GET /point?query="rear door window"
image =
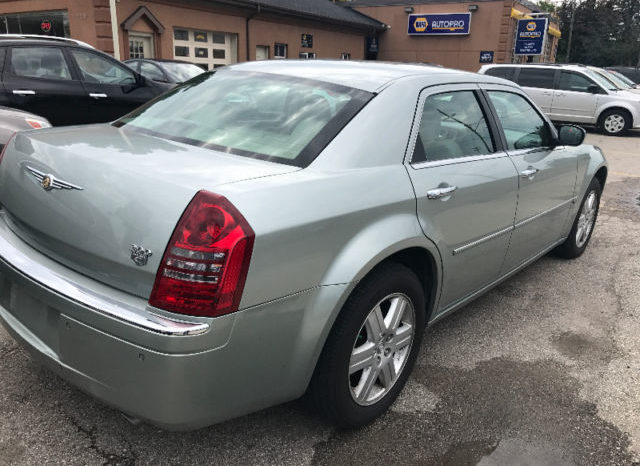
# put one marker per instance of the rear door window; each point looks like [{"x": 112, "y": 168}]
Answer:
[
  {"x": 505, "y": 72},
  {"x": 39, "y": 62},
  {"x": 536, "y": 77},
  {"x": 570, "y": 81},
  {"x": 453, "y": 125}
]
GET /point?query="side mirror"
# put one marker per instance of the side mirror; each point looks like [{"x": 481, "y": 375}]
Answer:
[
  {"x": 571, "y": 135},
  {"x": 594, "y": 89}
]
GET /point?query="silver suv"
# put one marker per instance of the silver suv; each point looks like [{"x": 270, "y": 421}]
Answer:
[{"x": 574, "y": 93}]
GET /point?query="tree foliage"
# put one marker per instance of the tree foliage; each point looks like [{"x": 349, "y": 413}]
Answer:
[{"x": 605, "y": 32}]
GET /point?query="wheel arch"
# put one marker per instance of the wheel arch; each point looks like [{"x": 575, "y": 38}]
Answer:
[
  {"x": 619, "y": 107},
  {"x": 601, "y": 175},
  {"x": 420, "y": 255}
]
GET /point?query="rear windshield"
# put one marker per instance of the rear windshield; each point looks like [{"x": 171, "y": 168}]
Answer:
[{"x": 260, "y": 115}]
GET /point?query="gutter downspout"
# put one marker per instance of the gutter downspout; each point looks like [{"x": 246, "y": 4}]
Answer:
[
  {"x": 249, "y": 18},
  {"x": 114, "y": 29}
]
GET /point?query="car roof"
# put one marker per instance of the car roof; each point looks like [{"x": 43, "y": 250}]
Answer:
[
  {"x": 365, "y": 75},
  {"x": 37, "y": 39},
  {"x": 570, "y": 66}
]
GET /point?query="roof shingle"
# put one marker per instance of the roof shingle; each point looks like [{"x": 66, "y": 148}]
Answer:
[{"x": 320, "y": 9}]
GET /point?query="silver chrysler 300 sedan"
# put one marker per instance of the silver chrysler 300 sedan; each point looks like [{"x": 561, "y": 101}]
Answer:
[{"x": 280, "y": 228}]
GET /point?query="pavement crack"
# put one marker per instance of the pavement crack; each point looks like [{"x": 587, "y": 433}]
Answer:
[{"x": 110, "y": 459}]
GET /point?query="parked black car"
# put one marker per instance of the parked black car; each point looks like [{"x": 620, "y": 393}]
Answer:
[
  {"x": 632, "y": 73},
  {"x": 68, "y": 82},
  {"x": 165, "y": 71}
]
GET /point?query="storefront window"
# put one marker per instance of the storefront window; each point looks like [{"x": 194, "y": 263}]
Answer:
[{"x": 46, "y": 23}]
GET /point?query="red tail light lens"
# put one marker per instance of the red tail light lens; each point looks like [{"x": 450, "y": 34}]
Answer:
[
  {"x": 204, "y": 268},
  {"x": 4, "y": 148}
]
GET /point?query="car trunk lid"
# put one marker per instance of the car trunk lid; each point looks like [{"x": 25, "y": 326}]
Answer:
[{"x": 86, "y": 196}]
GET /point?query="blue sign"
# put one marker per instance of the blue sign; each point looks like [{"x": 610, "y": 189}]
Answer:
[
  {"x": 530, "y": 36},
  {"x": 449, "y": 24},
  {"x": 486, "y": 56}
]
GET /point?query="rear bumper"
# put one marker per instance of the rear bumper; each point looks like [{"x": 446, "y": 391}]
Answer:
[{"x": 241, "y": 363}]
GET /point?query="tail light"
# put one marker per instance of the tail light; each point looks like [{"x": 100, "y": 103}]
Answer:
[
  {"x": 204, "y": 268},
  {"x": 4, "y": 148},
  {"x": 37, "y": 124}
]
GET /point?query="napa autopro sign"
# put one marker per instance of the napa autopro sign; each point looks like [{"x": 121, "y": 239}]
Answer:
[
  {"x": 446, "y": 24},
  {"x": 530, "y": 36}
]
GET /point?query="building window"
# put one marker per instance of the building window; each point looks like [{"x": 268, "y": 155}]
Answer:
[
  {"x": 262, "y": 52},
  {"x": 280, "y": 51},
  {"x": 190, "y": 43},
  {"x": 200, "y": 36},
  {"x": 219, "y": 37},
  {"x": 181, "y": 51},
  {"x": 46, "y": 23},
  {"x": 140, "y": 46},
  {"x": 307, "y": 55},
  {"x": 180, "y": 34},
  {"x": 345, "y": 56}
]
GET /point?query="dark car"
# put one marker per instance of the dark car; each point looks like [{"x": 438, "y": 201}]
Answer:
[
  {"x": 171, "y": 72},
  {"x": 68, "y": 82},
  {"x": 630, "y": 72}
]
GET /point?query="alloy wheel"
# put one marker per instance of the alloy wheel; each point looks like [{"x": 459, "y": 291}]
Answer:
[
  {"x": 381, "y": 349},
  {"x": 586, "y": 219}
]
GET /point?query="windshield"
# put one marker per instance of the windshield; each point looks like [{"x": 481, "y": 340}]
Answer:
[
  {"x": 604, "y": 82},
  {"x": 610, "y": 77},
  {"x": 181, "y": 72},
  {"x": 260, "y": 115}
]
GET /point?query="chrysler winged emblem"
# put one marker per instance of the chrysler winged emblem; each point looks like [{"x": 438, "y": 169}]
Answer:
[
  {"x": 139, "y": 255},
  {"x": 49, "y": 182}
]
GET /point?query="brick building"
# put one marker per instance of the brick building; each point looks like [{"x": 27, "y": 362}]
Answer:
[
  {"x": 210, "y": 33},
  {"x": 219, "y": 32}
]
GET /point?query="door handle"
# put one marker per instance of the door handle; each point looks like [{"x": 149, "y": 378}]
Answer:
[
  {"x": 98, "y": 96},
  {"x": 546, "y": 93},
  {"x": 439, "y": 193},
  {"x": 529, "y": 173},
  {"x": 24, "y": 92}
]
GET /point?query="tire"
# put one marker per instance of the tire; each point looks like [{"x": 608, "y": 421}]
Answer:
[
  {"x": 615, "y": 122},
  {"x": 583, "y": 224},
  {"x": 350, "y": 397}
]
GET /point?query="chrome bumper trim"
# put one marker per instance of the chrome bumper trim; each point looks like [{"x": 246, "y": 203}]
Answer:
[{"x": 143, "y": 318}]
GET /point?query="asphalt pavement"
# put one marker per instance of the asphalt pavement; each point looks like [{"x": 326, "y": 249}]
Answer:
[{"x": 542, "y": 370}]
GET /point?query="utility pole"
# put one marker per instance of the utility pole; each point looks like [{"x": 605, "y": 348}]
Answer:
[{"x": 573, "y": 15}]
